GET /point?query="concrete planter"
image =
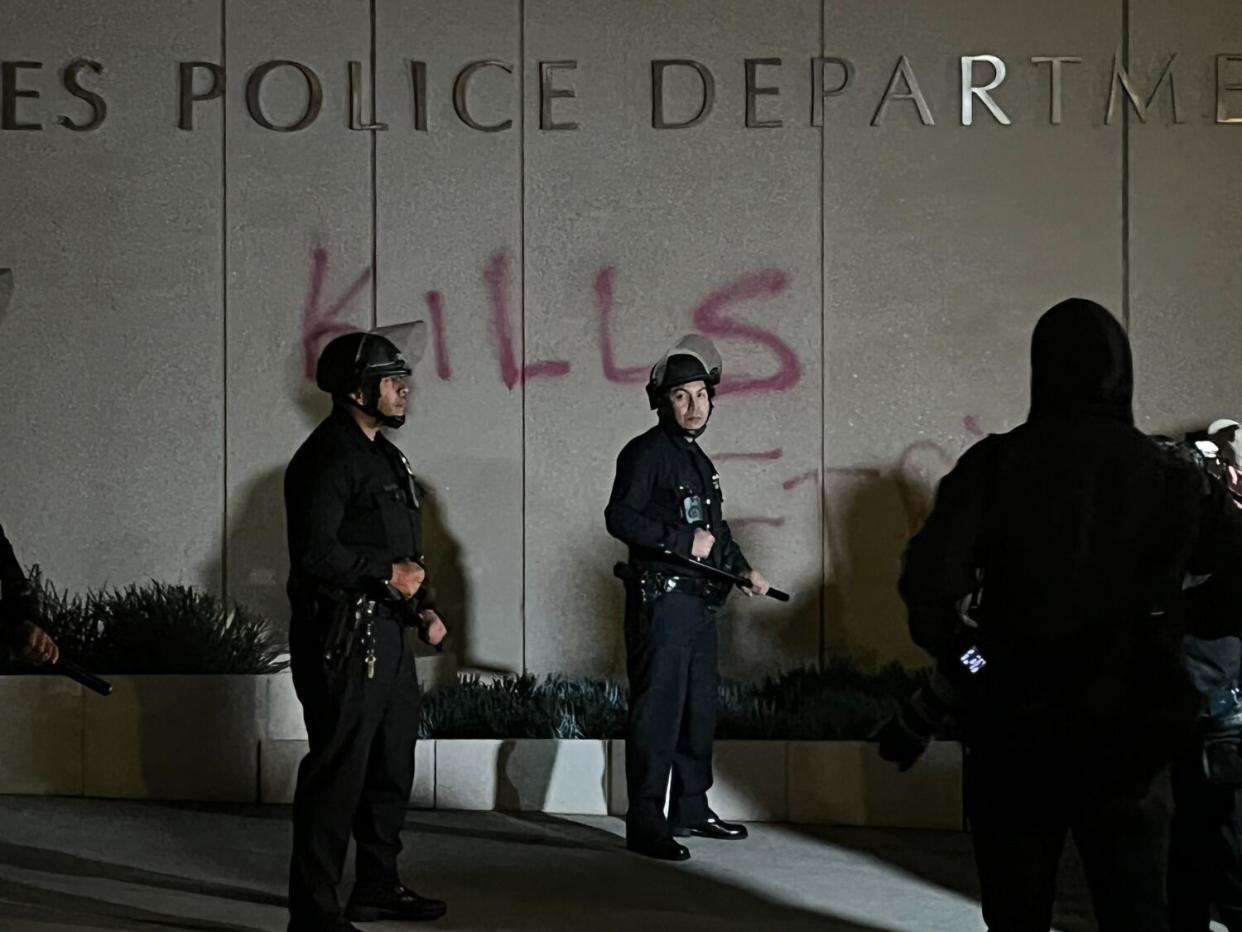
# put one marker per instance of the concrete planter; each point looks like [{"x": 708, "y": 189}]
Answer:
[
  {"x": 175, "y": 737},
  {"x": 846, "y": 783},
  {"x": 750, "y": 781},
  {"x": 526, "y": 775},
  {"x": 241, "y": 738},
  {"x": 41, "y": 735}
]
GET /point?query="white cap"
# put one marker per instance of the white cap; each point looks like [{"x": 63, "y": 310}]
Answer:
[{"x": 1220, "y": 424}]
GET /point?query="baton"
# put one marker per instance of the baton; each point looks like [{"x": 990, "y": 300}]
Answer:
[
  {"x": 722, "y": 574},
  {"x": 89, "y": 680}
]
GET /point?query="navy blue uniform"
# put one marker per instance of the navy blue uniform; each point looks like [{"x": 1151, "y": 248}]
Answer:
[{"x": 665, "y": 489}]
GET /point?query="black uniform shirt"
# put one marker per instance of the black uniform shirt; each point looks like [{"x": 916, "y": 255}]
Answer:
[
  {"x": 352, "y": 507},
  {"x": 666, "y": 488}
]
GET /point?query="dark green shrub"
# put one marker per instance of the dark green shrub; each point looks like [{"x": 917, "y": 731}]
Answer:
[
  {"x": 155, "y": 628},
  {"x": 838, "y": 701}
]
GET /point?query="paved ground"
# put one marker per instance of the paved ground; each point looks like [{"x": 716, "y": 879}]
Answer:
[{"x": 79, "y": 865}]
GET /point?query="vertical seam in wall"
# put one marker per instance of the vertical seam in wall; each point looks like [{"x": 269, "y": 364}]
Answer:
[
  {"x": 81, "y": 740},
  {"x": 224, "y": 306},
  {"x": 822, "y": 485},
  {"x": 522, "y": 272},
  {"x": 1125, "y": 174},
  {"x": 787, "y": 809},
  {"x": 374, "y": 134}
]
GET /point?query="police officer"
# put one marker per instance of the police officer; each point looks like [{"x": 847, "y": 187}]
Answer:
[
  {"x": 355, "y": 578},
  {"x": 1072, "y": 535},
  {"x": 666, "y": 499},
  {"x": 18, "y": 608}
]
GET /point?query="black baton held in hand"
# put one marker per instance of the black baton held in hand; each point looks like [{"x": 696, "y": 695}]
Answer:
[
  {"x": 722, "y": 574},
  {"x": 74, "y": 672}
]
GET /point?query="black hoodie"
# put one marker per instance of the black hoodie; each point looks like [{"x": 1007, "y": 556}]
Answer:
[
  {"x": 16, "y": 599},
  {"x": 1081, "y": 530}
]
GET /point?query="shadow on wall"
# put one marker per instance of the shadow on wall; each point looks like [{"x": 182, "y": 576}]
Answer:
[
  {"x": 446, "y": 572},
  {"x": 314, "y": 404},
  {"x": 256, "y": 548},
  {"x": 258, "y": 556},
  {"x": 870, "y": 517},
  {"x": 527, "y": 778},
  {"x": 760, "y": 637},
  {"x": 604, "y": 600}
]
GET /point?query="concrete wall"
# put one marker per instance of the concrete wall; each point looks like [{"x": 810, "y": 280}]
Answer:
[{"x": 871, "y": 287}]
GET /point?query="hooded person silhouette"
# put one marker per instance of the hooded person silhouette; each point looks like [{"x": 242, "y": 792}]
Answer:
[{"x": 1071, "y": 535}]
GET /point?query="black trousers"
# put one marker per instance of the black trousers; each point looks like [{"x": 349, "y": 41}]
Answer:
[
  {"x": 1205, "y": 862},
  {"x": 671, "y": 663},
  {"x": 1021, "y": 812},
  {"x": 357, "y": 776}
]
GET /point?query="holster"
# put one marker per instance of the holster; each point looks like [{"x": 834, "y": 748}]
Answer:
[
  {"x": 1222, "y": 751},
  {"x": 346, "y": 623}
]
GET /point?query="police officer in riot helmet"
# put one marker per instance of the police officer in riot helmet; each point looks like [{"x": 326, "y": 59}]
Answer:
[
  {"x": 1047, "y": 584},
  {"x": 667, "y": 506},
  {"x": 20, "y": 634},
  {"x": 356, "y": 579}
]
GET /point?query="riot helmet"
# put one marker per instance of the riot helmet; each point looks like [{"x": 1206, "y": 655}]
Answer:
[
  {"x": 693, "y": 358},
  {"x": 357, "y": 362}
]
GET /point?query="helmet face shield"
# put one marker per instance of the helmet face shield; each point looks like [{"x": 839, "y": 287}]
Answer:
[
  {"x": 693, "y": 358},
  {"x": 379, "y": 355},
  {"x": 409, "y": 339},
  {"x": 694, "y": 345}
]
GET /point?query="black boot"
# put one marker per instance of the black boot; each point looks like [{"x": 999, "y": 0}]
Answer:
[
  {"x": 395, "y": 901},
  {"x": 657, "y": 846},
  {"x": 712, "y": 827}
]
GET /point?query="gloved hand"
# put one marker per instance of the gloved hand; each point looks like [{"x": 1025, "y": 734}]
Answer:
[
  {"x": 900, "y": 743},
  {"x": 930, "y": 711}
]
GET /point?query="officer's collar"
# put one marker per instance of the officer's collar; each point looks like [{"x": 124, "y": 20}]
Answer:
[
  {"x": 671, "y": 429},
  {"x": 345, "y": 422}
]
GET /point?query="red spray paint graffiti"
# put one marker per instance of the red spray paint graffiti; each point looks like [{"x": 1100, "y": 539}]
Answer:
[
  {"x": 620, "y": 375},
  {"x": 915, "y": 473},
  {"x": 712, "y": 319},
  {"x": 496, "y": 278},
  {"x": 439, "y": 345},
  {"x": 712, "y": 316},
  {"x": 759, "y": 455},
  {"x": 320, "y": 325}
]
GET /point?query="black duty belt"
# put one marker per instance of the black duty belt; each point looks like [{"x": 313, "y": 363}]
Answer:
[
  {"x": 651, "y": 584},
  {"x": 708, "y": 589}
]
